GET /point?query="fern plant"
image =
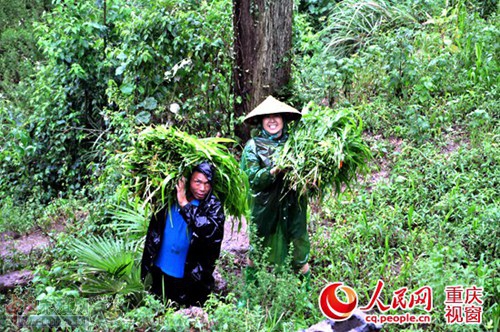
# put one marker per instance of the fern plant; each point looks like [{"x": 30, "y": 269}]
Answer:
[
  {"x": 108, "y": 265},
  {"x": 131, "y": 220},
  {"x": 127, "y": 284}
]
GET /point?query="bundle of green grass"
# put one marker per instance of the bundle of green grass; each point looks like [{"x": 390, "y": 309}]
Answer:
[
  {"x": 324, "y": 151},
  {"x": 162, "y": 155}
]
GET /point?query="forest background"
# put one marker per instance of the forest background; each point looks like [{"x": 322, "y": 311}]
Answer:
[{"x": 80, "y": 79}]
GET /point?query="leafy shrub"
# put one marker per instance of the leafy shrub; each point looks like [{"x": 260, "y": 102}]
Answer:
[
  {"x": 432, "y": 201},
  {"x": 226, "y": 316},
  {"x": 110, "y": 266},
  {"x": 264, "y": 302},
  {"x": 353, "y": 24},
  {"x": 316, "y": 10},
  {"x": 17, "y": 154},
  {"x": 11, "y": 218},
  {"x": 178, "y": 59},
  {"x": 18, "y": 52},
  {"x": 450, "y": 265},
  {"x": 420, "y": 78},
  {"x": 105, "y": 76}
]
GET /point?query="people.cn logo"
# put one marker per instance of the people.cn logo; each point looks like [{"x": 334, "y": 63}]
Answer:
[{"x": 332, "y": 307}]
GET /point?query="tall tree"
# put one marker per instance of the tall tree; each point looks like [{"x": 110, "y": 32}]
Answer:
[{"x": 263, "y": 39}]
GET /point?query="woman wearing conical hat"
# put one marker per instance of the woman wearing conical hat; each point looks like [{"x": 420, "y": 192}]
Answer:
[{"x": 279, "y": 215}]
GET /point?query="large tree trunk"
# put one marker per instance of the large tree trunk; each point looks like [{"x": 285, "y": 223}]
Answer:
[{"x": 263, "y": 39}]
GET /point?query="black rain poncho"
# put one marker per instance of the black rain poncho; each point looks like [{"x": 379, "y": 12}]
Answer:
[
  {"x": 279, "y": 215},
  {"x": 207, "y": 223}
]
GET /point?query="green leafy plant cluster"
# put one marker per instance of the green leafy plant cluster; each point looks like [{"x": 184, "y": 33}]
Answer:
[
  {"x": 425, "y": 91},
  {"x": 353, "y": 24},
  {"x": 416, "y": 75},
  {"x": 162, "y": 155},
  {"x": 18, "y": 53},
  {"x": 433, "y": 221},
  {"x": 19, "y": 59},
  {"x": 65, "y": 309},
  {"x": 110, "y": 67},
  {"x": 269, "y": 298},
  {"x": 422, "y": 75},
  {"x": 316, "y": 10},
  {"x": 11, "y": 217},
  {"x": 107, "y": 265},
  {"x": 324, "y": 151}
]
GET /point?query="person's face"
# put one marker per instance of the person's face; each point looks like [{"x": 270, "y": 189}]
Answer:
[
  {"x": 199, "y": 186},
  {"x": 272, "y": 123}
]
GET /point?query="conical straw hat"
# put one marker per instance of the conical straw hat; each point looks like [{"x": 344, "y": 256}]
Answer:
[{"x": 272, "y": 106}]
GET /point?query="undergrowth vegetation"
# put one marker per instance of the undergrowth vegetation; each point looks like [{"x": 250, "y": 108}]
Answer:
[{"x": 422, "y": 75}]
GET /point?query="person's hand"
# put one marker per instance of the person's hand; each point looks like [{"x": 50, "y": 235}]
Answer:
[{"x": 181, "y": 192}]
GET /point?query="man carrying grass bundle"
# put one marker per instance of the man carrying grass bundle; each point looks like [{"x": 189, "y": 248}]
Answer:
[
  {"x": 183, "y": 242},
  {"x": 279, "y": 215}
]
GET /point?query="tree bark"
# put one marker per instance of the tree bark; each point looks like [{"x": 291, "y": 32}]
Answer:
[{"x": 262, "y": 43}]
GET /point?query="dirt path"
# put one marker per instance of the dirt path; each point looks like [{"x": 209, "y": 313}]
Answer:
[
  {"x": 23, "y": 245},
  {"x": 15, "y": 253},
  {"x": 235, "y": 242}
]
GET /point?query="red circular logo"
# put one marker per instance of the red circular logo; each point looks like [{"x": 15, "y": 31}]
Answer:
[{"x": 332, "y": 307}]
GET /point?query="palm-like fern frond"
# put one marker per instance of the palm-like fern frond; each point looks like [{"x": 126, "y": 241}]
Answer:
[
  {"x": 99, "y": 254},
  {"x": 132, "y": 219},
  {"x": 110, "y": 265},
  {"x": 130, "y": 284}
]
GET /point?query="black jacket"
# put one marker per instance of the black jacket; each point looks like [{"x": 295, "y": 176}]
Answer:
[{"x": 207, "y": 223}]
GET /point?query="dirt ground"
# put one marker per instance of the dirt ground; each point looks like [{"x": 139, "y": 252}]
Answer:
[{"x": 235, "y": 242}]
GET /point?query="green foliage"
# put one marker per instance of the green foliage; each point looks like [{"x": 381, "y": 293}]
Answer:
[
  {"x": 68, "y": 92},
  {"x": 410, "y": 80},
  {"x": 316, "y": 10},
  {"x": 485, "y": 8},
  {"x": 228, "y": 317},
  {"x": 108, "y": 266},
  {"x": 273, "y": 298},
  {"x": 59, "y": 308},
  {"x": 17, "y": 153},
  {"x": 14, "y": 13},
  {"x": 161, "y": 156},
  {"x": 353, "y": 24},
  {"x": 18, "y": 53},
  {"x": 28, "y": 215},
  {"x": 422, "y": 75},
  {"x": 324, "y": 151},
  {"x": 131, "y": 221},
  {"x": 64, "y": 308},
  {"x": 18, "y": 56},
  {"x": 18, "y": 62},
  {"x": 450, "y": 262},
  {"x": 113, "y": 256},
  {"x": 12, "y": 217},
  {"x": 434, "y": 221},
  {"x": 106, "y": 74},
  {"x": 183, "y": 57}
]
